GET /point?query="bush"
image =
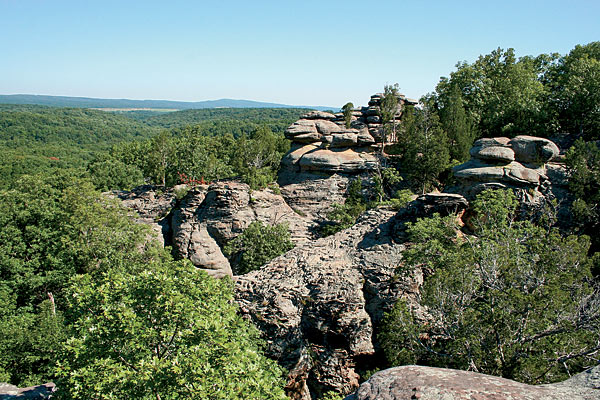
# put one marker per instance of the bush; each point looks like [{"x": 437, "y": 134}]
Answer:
[{"x": 257, "y": 245}]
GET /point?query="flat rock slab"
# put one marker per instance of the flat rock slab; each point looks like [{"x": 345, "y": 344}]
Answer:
[
  {"x": 427, "y": 383},
  {"x": 8, "y": 391}
]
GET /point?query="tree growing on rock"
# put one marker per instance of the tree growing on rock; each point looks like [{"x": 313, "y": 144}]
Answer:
[
  {"x": 257, "y": 245},
  {"x": 347, "y": 111},
  {"x": 515, "y": 300},
  {"x": 388, "y": 111}
]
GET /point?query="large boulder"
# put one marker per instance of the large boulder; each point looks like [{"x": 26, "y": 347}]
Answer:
[
  {"x": 427, "y": 383},
  {"x": 318, "y": 305},
  {"x": 535, "y": 150}
]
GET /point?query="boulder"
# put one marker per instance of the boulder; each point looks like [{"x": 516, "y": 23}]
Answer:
[
  {"x": 342, "y": 160},
  {"x": 533, "y": 150},
  {"x": 493, "y": 153},
  {"x": 428, "y": 383},
  {"x": 327, "y": 127}
]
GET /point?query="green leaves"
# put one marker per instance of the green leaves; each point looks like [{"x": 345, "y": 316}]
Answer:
[
  {"x": 164, "y": 330},
  {"x": 257, "y": 245},
  {"x": 514, "y": 299}
]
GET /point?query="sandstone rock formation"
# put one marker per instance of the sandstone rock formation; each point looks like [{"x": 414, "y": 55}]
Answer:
[
  {"x": 152, "y": 205},
  {"x": 199, "y": 225},
  {"x": 8, "y": 391},
  {"x": 321, "y": 141},
  {"x": 527, "y": 164},
  {"x": 318, "y": 304},
  {"x": 427, "y": 383}
]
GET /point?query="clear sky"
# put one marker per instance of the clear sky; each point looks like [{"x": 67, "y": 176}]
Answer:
[{"x": 294, "y": 52}]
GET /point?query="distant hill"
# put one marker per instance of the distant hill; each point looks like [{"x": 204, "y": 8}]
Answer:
[{"x": 86, "y": 102}]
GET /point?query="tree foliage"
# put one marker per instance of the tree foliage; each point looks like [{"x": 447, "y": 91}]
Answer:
[
  {"x": 257, "y": 245},
  {"x": 162, "y": 330},
  {"x": 516, "y": 300}
]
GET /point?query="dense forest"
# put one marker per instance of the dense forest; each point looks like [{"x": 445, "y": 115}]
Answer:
[{"x": 87, "y": 301}]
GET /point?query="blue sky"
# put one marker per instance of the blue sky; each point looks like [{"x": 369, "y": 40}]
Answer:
[{"x": 293, "y": 52}]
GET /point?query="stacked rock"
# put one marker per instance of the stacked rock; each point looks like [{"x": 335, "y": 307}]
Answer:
[
  {"x": 322, "y": 142},
  {"x": 521, "y": 162}
]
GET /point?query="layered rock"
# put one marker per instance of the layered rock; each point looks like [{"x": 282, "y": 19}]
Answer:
[
  {"x": 322, "y": 142},
  {"x": 526, "y": 164},
  {"x": 427, "y": 383},
  {"x": 318, "y": 305}
]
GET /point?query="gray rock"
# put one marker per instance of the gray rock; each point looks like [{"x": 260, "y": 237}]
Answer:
[
  {"x": 535, "y": 150},
  {"x": 427, "y": 383},
  {"x": 493, "y": 153},
  {"x": 319, "y": 115},
  {"x": 312, "y": 194},
  {"x": 348, "y": 138},
  {"x": 328, "y": 127},
  {"x": 39, "y": 392},
  {"x": 342, "y": 160},
  {"x": 152, "y": 205}
]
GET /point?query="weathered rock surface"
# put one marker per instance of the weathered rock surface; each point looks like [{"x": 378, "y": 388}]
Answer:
[
  {"x": 208, "y": 218},
  {"x": 152, "y": 205},
  {"x": 318, "y": 304},
  {"x": 528, "y": 165},
  {"x": 312, "y": 194},
  {"x": 427, "y": 383},
  {"x": 322, "y": 142},
  {"x": 8, "y": 391}
]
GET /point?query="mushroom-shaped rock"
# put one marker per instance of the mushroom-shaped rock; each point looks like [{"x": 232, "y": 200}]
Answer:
[{"x": 534, "y": 150}]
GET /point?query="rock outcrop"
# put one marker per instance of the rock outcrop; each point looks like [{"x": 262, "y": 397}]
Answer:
[
  {"x": 8, "y": 392},
  {"x": 318, "y": 305},
  {"x": 152, "y": 204},
  {"x": 200, "y": 224},
  {"x": 323, "y": 143},
  {"x": 427, "y": 383},
  {"x": 529, "y": 165}
]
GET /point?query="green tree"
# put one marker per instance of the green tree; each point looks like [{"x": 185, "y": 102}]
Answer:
[
  {"x": 108, "y": 173},
  {"x": 162, "y": 330},
  {"x": 583, "y": 166},
  {"x": 516, "y": 300},
  {"x": 575, "y": 85},
  {"x": 53, "y": 227},
  {"x": 426, "y": 150},
  {"x": 502, "y": 95},
  {"x": 257, "y": 245},
  {"x": 258, "y": 156},
  {"x": 347, "y": 111},
  {"x": 388, "y": 112},
  {"x": 457, "y": 126}
]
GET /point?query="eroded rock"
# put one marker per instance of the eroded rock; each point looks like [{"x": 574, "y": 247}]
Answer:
[
  {"x": 318, "y": 304},
  {"x": 428, "y": 383}
]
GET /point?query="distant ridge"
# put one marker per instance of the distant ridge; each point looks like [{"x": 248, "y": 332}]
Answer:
[{"x": 87, "y": 102}]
